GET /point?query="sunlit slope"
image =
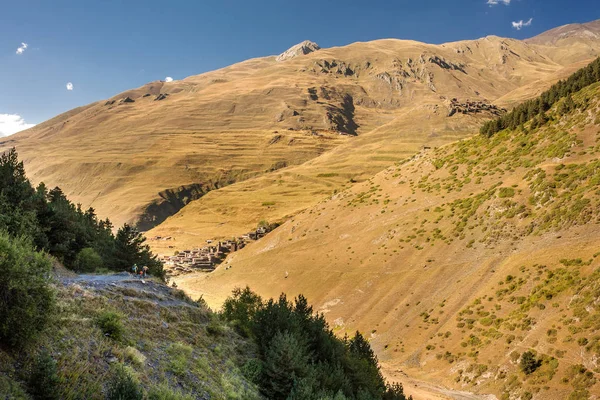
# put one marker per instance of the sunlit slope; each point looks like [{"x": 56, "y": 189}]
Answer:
[
  {"x": 404, "y": 130},
  {"x": 458, "y": 260},
  {"x": 146, "y": 159},
  {"x": 278, "y": 195}
]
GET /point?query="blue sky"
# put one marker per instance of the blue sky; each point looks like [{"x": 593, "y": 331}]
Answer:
[{"x": 105, "y": 47}]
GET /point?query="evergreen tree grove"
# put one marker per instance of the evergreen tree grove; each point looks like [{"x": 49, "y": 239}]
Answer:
[
  {"x": 300, "y": 355},
  {"x": 77, "y": 238},
  {"x": 531, "y": 109}
]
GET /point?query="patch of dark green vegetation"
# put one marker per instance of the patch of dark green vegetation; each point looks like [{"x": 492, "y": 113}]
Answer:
[
  {"x": 77, "y": 238},
  {"x": 535, "y": 109},
  {"x": 300, "y": 357}
]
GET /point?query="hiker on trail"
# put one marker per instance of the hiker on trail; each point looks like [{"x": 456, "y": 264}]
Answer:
[
  {"x": 134, "y": 269},
  {"x": 145, "y": 269}
]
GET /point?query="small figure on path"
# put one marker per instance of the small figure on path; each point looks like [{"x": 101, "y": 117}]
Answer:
[{"x": 134, "y": 269}]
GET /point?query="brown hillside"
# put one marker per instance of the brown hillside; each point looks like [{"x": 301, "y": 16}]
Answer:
[
  {"x": 457, "y": 261},
  {"x": 144, "y": 154},
  {"x": 277, "y": 196}
]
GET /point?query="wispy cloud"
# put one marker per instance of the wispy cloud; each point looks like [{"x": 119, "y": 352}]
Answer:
[
  {"x": 168, "y": 79},
  {"x": 12, "y": 123},
  {"x": 69, "y": 86},
  {"x": 21, "y": 49},
  {"x": 520, "y": 24},
  {"x": 496, "y": 2}
]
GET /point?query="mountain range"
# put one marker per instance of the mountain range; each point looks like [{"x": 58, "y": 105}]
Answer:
[{"x": 457, "y": 252}]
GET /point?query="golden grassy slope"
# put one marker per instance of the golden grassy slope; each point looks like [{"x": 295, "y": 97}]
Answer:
[
  {"x": 456, "y": 259},
  {"x": 402, "y": 131},
  {"x": 216, "y": 128}
]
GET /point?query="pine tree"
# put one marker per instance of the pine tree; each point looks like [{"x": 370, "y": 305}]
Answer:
[
  {"x": 529, "y": 363},
  {"x": 130, "y": 248},
  {"x": 286, "y": 362}
]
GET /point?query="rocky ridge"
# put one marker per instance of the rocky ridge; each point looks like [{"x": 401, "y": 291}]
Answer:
[{"x": 300, "y": 49}]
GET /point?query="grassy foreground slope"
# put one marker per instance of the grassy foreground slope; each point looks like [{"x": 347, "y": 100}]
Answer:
[
  {"x": 169, "y": 345},
  {"x": 136, "y": 158},
  {"x": 473, "y": 264}
]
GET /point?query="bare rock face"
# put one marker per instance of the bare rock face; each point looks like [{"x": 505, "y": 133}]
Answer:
[{"x": 300, "y": 49}]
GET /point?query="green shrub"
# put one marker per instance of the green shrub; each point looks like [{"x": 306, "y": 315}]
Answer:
[
  {"x": 527, "y": 396},
  {"x": 240, "y": 309},
  {"x": 506, "y": 192},
  {"x": 123, "y": 386},
  {"x": 111, "y": 325},
  {"x": 179, "y": 355},
  {"x": 43, "y": 382},
  {"x": 579, "y": 394},
  {"x": 580, "y": 377},
  {"x": 253, "y": 369},
  {"x": 215, "y": 326},
  {"x": 26, "y": 298},
  {"x": 88, "y": 260},
  {"x": 10, "y": 389},
  {"x": 163, "y": 392},
  {"x": 529, "y": 363}
]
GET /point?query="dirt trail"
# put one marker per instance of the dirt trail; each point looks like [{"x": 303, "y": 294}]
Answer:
[
  {"x": 421, "y": 390},
  {"x": 130, "y": 287}
]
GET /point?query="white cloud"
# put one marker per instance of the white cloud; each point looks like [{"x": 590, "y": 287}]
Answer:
[
  {"x": 521, "y": 24},
  {"x": 12, "y": 123},
  {"x": 22, "y": 48},
  {"x": 496, "y": 2},
  {"x": 168, "y": 79},
  {"x": 69, "y": 86}
]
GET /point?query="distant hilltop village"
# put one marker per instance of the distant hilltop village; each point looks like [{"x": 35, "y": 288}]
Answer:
[
  {"x": 208, "y": 257},
  {"x": 473, "y": 107}
]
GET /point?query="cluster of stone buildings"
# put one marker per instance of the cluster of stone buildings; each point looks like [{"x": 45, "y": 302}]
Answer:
[
  {"x": 206, "y": 258},
  {"x": 472, "y": 107}
]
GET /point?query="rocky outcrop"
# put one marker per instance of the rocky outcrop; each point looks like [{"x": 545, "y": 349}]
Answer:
[
  {"x": 420, "y": 70},
  {"x": 300, "y": 49},
  {"x": 393, "y": 81},
  {"x": 334, "y": 67}
]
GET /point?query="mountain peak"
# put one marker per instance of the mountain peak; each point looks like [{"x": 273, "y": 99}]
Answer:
[
  {"x": 589, "y": 30},
  {"x": 300, "y": 49}
]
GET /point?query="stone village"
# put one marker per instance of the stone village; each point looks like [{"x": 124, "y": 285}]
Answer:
[{"x": 207, "y": 258}]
